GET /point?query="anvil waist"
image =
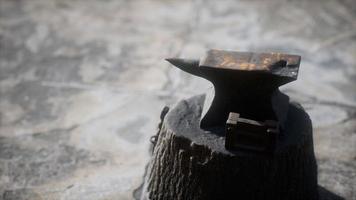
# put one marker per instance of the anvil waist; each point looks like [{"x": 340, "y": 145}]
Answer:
[{"x": 259, "y": 104}]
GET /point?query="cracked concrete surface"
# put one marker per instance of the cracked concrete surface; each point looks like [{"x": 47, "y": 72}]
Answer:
[{"x": 82, "y": 84}]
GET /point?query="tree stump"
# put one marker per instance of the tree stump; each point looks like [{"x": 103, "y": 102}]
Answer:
[{"x": 190, "y": 163}]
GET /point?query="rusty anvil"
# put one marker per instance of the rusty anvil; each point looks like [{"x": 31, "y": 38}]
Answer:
[{"x": 245, "y": 83}]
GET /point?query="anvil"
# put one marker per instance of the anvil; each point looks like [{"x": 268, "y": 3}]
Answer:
[{"x": 245, "y": 83}]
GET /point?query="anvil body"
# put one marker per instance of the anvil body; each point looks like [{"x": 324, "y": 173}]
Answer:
[{"x": 245, "y": 83}]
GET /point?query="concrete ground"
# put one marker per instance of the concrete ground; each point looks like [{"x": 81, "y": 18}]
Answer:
[{"x": 82, "y": 84}]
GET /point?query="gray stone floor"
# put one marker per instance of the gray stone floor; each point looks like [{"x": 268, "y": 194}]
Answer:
[{"x": 82, "y": 84}]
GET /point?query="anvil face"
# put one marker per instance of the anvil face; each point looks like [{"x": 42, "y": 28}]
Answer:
[
  {"x": 276, "y": 68},
  {"x": 244, "y": 82},
  {"x": 274, "y": 63}
]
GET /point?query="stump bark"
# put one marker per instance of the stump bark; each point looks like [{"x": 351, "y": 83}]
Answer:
[{"x": 190, "y": 163}]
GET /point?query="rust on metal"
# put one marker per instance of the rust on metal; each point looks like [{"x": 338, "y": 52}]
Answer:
[{"x": 249, "y": 61}]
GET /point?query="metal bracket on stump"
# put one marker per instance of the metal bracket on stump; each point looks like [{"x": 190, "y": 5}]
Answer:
[{"x": 250, "y": 135}]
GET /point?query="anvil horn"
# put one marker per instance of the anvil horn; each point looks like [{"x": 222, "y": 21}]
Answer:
[{"x": 188, "y": 65}]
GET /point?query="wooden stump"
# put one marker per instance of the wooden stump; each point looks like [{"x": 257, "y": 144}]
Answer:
[{"x": 189, "y": 163}]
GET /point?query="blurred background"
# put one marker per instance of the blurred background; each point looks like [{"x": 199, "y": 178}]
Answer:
[{"x": 82, "y": 84}]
